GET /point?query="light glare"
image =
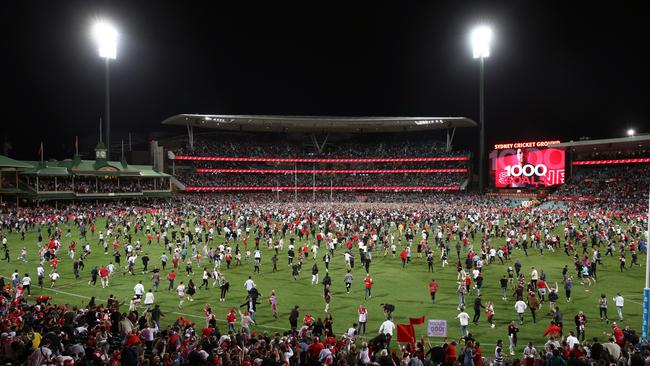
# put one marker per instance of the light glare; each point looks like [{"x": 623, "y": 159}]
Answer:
[
  {"x": 631, "y": 132},
  {"x": 106, "y": 37},
  {"x": 481, "y": 38}
]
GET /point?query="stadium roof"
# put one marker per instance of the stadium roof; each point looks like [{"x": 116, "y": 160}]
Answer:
[
  {"x": 77, "y": 166},
  {"x": 7, "y": 162},
  {"x": 317, "y": 124},
  {"x": 623, "y": 143}
]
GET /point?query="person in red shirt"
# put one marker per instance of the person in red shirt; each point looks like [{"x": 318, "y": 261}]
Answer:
[
  {"x": 315, "y": 348},
  {"x": 207, "y": 331},
  {"x": 404, "y": 256},
  {"x": 55, "y": 262},
  {"x": 433, "y": 288},
  {"x": 231, "y": 318},
  {"x": 541, "y": 289},
  {"x": 619, "y": 337},
  {"x": 553, "y": 330},
  {"x": 171, "y": 277},
  {"x": 308, "y": 320},
  {"x": 368, "y": 281},
  {"x": 103, "y": 276},
  {"x": 450, "y": 353}
]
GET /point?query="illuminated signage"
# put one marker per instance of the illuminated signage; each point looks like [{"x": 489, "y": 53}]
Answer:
[{"x": 525, "y": 145}]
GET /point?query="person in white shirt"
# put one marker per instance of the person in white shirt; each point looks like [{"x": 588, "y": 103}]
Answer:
[
  {"x": 520, "y": 307},
  {"x": 130, "y": 264},
  {"x": 27, "y": 284},
  {"x": 139, "y": 289},
  {"x": 387, "y": 328},
  {"x": 571, "y": 340},
  {"x": 180, "y": 290},
  {"x": 463, "y": 317},
  {"x": 149, "y": 300},
  {"x": 363, "y": 319},
  {"x": 364, "y": 357},
  {"x": 40, "y": 272},
  {"x": 249, "y": 284},
  {"x": 530, "y": 353},
  {"x": 133, "y": 304},
  {"x": 54, "y": 276},
  {"x": 619, "y": 301},
  {"x": 534, "y": 276},
  {"x": 352, "y": 333}
]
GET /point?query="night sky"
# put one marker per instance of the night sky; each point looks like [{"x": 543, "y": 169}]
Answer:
[{"x": 555, "y": 72}]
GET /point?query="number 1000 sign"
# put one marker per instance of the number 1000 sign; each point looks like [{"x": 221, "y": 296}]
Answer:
[{"x": 527, "y": 170}]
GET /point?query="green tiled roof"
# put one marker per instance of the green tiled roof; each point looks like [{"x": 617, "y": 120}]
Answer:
[
  {"x": 7, "y": 162},
  {"x": 78, "y": 166}
]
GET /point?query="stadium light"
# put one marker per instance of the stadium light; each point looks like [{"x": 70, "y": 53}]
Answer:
[
  {"x": 106, "y": 36},
  {"x": 631, "y": 132},
  {"x": 481, "y": 37}
]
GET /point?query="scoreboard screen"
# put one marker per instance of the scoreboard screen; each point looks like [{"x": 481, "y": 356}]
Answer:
[{"x": 527, "y": 165}]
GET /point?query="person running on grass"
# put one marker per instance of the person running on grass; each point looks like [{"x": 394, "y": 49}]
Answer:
[
  {"x": 191, "y": 290},
  {"x": 224, "y": 286},
  {"x": 273, "y": 300},
  {"x": 489, "y": 313},
  {"x": 348, "y": 281},
  {"x": 327, "y": 295},
  {"x": 53, "y": 277},
  {"x": 180, "y": 291}
]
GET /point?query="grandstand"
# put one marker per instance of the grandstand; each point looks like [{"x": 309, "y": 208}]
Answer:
[
  {"x": 78, "y": 179},
  {"x": 608, "y": 172},
  {"x": 316, "y": 154}
]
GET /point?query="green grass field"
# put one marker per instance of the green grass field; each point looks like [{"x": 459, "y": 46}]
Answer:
[{"x": 406, "y": 288}]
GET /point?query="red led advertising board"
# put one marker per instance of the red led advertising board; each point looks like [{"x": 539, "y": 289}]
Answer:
[{"x": 527, "y": 165}]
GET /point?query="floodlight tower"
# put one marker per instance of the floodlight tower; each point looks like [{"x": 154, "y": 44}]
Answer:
[
  {"x": 106, "y": 36},
  {"x": 481, "y": 38}
]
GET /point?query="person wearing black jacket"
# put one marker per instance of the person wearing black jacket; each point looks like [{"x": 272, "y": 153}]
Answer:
[
  {"x": 436, "y": 354},
  {"x": 251, "y": 305},
  {"x": 129, "y": 356},
  {"x": 156, "y": 313},
  {"x": 477, "y": 309},
  {"x": 145, "y": 263},
  {"x": 94, "y": 273},
  {"x": 504, "y": 286},
  {"x": 327, "y": 280},
  {"x": 293, "y": 318}
]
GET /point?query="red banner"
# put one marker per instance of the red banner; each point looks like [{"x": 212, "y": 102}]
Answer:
[
  {"x": 612, "y": 161},
  {"x": 405, "y": 333},
  {"x": 329, "y": 171},
  {"x": 325, "y": 188},
  {"x": 318, "y": 160}
]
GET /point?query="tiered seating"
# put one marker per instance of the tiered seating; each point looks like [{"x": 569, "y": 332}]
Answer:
[{"x": 235, "y": 164}]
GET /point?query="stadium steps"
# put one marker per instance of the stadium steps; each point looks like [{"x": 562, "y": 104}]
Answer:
[
  {"x": 178, "y": 184},
  {"x": 463, "y": 185}
]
